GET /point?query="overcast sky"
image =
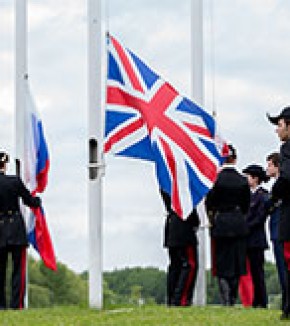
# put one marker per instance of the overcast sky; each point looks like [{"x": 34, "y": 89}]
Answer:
[{"x": 251, "y": 76}]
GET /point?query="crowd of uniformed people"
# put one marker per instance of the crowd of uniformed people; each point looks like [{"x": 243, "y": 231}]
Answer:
[{"x": 238, "y": 207}]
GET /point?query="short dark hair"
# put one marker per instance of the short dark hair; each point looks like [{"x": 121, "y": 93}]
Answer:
[
  {"x": 275, "y": 158},
  {"x": 4, "y": 158},
  {"x": 232, "y": 154}
]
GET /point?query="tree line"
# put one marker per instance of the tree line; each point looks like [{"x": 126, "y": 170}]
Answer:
[{"x": 127, "y": 286}]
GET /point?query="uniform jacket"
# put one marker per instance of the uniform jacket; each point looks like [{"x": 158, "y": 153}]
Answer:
[
  {"x": 12, "y": 226},
  {"x": 178, "y": 232},
  {"x": 274, "y": 222},
  {"x": 231, "y": 193},
  {"x": 256, "y": 219},
  {"x": 281, "y": 190}
]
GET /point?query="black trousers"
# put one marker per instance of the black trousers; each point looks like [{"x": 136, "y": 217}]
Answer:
[
  {"x": 281, "y": 267},
  {"x": 181, "y": 277},
  {"x": 228, "y": 288},
  {"x": 286, "y": 252},
  {"x": 18, "y": 276},
  {"x": 256, "y": 259}
]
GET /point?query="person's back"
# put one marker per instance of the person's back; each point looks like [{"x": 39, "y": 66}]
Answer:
[
  {"x": 231, "y": 190},
  {"x": 180, "y": 239},
  {"x": 226, "y": 204},
  {"x": 13, "y": 237},
  {"x": 179, "y": 232}
]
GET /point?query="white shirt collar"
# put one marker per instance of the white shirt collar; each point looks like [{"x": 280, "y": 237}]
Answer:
[
  {"x": 253, "y": 190},
  {"x": 229, "y": 166}
]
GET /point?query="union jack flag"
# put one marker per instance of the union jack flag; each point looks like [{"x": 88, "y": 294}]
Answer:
[{"x": 146, "y": 118}]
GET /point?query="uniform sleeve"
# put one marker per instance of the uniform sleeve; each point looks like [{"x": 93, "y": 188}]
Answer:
[
  {"x": 246, "y": 199},
  {"x": 166, "y": 200},
  {"x": 194, "y": 218},
  {"x": 210, "y": 205},
  {"x": 27, "y": 198},
  {"x": 280, "y": 188},
  {"x": 285, "y": 161},
  {"x": 260, "y": 213},
  {"x": 210, "y": 200}
]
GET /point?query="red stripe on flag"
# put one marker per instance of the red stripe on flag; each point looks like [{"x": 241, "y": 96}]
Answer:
[
  {"x": 174, "y": 191},
  {"x": 42, "y": 178},
  {"x": 122, "y": 134},
  {"x": 130, "y": 72},
  {"x": 197, "y": 129},
  {"x": 159, "y": 103},
  {"x": 43, "y": 240}
]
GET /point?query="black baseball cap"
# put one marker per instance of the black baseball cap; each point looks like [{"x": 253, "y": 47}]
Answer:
[
  {"x": 256, "y": 171},
  {"x": 285, "y": 114}
]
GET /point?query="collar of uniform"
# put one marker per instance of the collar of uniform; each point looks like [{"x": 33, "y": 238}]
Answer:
[
  {"x": 253, "y": 190},
  {"x": 229, "y": 166}
]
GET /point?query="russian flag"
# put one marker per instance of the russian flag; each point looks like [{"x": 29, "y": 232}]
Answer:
[
  {"x": 39, "y": 237},
  {"x": 35, "y": 173},
  {"x": 36, "y": 158}
]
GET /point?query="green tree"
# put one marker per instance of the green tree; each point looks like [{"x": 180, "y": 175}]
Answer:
[
  {"x": 110, "y": 298},
  {"x": 65, "y": 285},
  {"x": 39, "y": 296},
  {"x": 136, "y": 295},
  {"x": 151, "y": 280},
  {"x": 272, "y": 282},
  {"x": 212, "y": 289}
]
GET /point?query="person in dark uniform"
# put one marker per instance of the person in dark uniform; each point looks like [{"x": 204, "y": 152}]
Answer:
[
  {"x": 256, "y": 238},
  {"x": 181, "y": 241},
  {"x": 281, "y": 191},
  {"x": 273, "y": 160},
  {"x": 227, "y": 204},
  {"x": 13, "y": 238}
]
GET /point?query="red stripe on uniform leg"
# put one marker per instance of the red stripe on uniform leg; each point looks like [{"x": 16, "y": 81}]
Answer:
[
  {"x": 213, "y": 257},
  {"x": 192, "y": 263},
  {"x": 287, "y": 254},
  {"x": 23, "y": 278},
  {"x": 246, "y": 287}
]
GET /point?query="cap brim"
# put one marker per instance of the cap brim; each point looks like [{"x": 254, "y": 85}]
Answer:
[{"x": 273, "y": 120}]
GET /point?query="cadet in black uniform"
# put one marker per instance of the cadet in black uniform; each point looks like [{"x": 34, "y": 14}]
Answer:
[
  {"x": 227, "y": 203},
  {"x": 13, "y": 238},
  {"x": 281, "y": 191},
  {"x": 181, "y": 241},
  {"x": 273, "y": 171},
  {"x": 256, "y": 239}
]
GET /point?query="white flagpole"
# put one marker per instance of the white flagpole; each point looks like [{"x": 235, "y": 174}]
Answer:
[
  {"x": 20, "y": 99},
  {"x": 197, "y": 93},
  {"x": 20, "y": 73},
  {"x": 97, "y": 72}
]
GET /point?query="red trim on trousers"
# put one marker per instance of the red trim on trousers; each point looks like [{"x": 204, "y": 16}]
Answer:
[
  {"x": 246, "y": 288},
  {"x": 23, "y": 278},
  {"x": 286, "y": 251},
  {"x": 213, "y": 257},
  {"x": 192, "y": 263}
]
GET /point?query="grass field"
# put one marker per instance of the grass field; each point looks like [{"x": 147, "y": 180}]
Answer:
[{"x": 146, "y": 315}]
